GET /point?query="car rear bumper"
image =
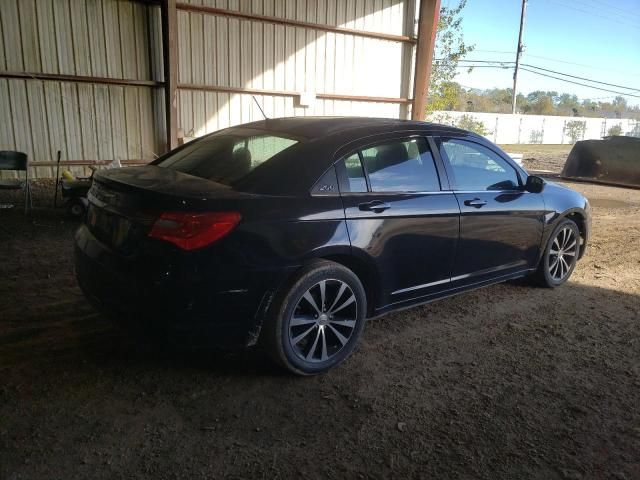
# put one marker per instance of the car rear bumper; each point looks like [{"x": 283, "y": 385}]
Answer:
[{"x": 143, "y": 294}]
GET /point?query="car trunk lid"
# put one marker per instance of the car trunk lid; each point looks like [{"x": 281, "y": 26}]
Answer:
[{"x": 124, "y": 203}]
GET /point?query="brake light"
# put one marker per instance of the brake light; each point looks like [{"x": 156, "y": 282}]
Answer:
[{"x": 193, "y": 230}]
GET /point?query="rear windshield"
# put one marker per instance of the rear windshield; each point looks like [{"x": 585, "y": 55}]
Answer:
[{"x": 226, "y": 158}]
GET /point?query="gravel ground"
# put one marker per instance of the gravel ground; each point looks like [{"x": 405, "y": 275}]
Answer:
[{"x": 508, "y": 381}]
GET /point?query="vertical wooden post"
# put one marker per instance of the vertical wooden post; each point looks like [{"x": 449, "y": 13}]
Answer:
[
  {"x": 170, "y": 61},
  {"x": 427, "y": 26}
]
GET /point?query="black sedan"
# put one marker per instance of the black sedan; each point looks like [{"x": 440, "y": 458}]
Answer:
[{"x": 292, "y": 232}]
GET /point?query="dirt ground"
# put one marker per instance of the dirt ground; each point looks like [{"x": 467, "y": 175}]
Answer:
[
  {"x": 507, "y": 382},
  {"x": 549, "y": 158}
]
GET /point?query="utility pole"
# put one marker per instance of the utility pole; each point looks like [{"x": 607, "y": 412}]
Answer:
[{"x": 518, "y": 55}]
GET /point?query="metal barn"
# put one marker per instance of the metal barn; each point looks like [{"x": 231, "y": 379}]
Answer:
[{"x": 101, "y": 80}]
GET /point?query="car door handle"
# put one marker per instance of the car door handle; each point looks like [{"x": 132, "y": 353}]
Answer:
[
  {"x": 374, "y": 206},
  {"x": 476, "y": 202}
]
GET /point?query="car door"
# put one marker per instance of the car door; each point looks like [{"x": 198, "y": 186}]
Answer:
[
  {"x": 500, "y": 223},
  {"x": 401, "y": 217}
]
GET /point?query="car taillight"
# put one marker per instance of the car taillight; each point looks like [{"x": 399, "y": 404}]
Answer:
[{"x": 192, "y": 230}]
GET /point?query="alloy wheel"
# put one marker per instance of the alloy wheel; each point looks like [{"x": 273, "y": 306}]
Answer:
[
  {"x": 323, "y": 320},
  {"x": 562, "y": 254}
]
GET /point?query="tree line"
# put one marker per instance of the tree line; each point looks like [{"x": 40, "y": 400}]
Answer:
[{"x": 453, "y": 96}]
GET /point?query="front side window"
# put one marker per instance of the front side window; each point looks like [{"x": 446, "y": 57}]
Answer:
[
  {"x": 475, "y": 167},
  {"x": 401, "y": 166},
  {"x": 226, "y": 158}
]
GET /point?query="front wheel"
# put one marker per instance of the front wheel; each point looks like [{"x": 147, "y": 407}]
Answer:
[
  {"x": 560, "y": 255},
  {"x": 317, "y": 321}
]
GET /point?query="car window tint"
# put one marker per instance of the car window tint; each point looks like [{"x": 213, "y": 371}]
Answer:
[
  {"x": 476, "y": 167},
  {"x": 401, "y": 166},
  {"x": 355, "y": 174},
  {"x": 226, "y": 159}
]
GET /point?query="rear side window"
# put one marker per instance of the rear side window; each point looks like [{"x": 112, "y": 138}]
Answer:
[
  {"x": 476, "y": 167},
  {"x": 401, "y": 166},
  {"x": 226, "y": 159},
  {"x": 355, "y": 174}
]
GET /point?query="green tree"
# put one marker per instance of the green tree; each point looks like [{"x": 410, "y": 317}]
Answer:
[
  {"x": 467, "y": 122},
  {"x": 575, "y": 130},
  {"x": 614, "y": 131},
  {"x": 450, "y": 47}
]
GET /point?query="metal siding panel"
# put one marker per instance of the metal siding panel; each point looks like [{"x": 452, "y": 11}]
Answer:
[
  {"x": 29, "y": 36},
  {"x": 80, "y": 35},
  {"x": 102, "y": 104},
  {"x": 112, "y": 38},
  {"x": 199, "y": 120},
  {"x": 118, "y": 122},
  {"x": 184, "y": 48},
  {"x": 211, "y": 111},
  {"x": 235, "y": 104},
  {"x": 96, "y": 39},
  {"x": 3, "y": 63},
  {"x": 38, "y": 124},
  {"x": 142, "y": 39},
  {"x": 20, "y": 116},
  {"x": 88, "y": 127},
  {"x": 7, "y": 139},
  {"x": 64, "y": 41},
  {"x": 257, "y": 54},
  {"x": 209, "y": 34},
  {"x": 127, "y": 40},
  {"x": 224, "y": 116},
  {"x": 55, "y": 119},
  {"x": 197, "y": 47},
  {"x": 185, "y": 112},
  {"x": 71, "y": 120},
  {"x": 132, "y": 118},
  {"x": 160, "y": 126},
  {"x": 268, "y": 76},
  {"x": 222, "y": 51},
  {"x": 147, "y": 139},
  {"x": 47, "y": 35},
  {"x": 246, "y": 68},
  {"x": 155, "y": 47},
  {"x": 11, "y": 32}
]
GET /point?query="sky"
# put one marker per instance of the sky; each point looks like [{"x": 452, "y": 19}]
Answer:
[{"x": 595, "y": 39}]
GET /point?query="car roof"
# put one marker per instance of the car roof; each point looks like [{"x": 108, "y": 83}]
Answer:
[
  {"x": 313, "y": 128},
  {"x": 296, "y": 169}
]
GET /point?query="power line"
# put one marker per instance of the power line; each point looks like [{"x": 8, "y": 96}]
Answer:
[
  {"x": 556, "y": 78},
  {"x": 551, "y": 59},
  {"x": 583, "y": 78},
  {"x": 595, "y": 14},
  {"x": 622, "y": 11},
  {"x": 507, "y": 63},
  {"x": 578, "y": 83}
]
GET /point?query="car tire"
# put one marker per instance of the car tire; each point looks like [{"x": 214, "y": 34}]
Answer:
[
  {"x": 306, "y": 336},
  {"x": 560, "y": 255}
]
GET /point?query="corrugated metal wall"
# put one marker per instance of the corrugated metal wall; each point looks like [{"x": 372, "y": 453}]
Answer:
[
  {"x": 101, "y": 38},
  {"x": 231, "y": 52},
  {"x": 122, "y": 39}
]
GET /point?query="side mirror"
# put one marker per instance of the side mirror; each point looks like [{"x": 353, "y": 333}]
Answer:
[{"x": 534, "y": 184}]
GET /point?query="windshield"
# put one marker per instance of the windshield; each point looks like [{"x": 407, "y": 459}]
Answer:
[{"x": 226, "y": 158}]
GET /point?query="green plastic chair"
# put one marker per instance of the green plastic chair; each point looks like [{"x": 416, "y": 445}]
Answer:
[{"x": 16, "y": 161}]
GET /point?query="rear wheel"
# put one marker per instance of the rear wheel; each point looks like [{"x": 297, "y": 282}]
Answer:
[
  {"x": 560, "y": 255},
  {"x": 318, "y": 319}
]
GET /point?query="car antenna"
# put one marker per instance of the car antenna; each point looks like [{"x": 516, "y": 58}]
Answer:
[{"x": 261, "y": 110}]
